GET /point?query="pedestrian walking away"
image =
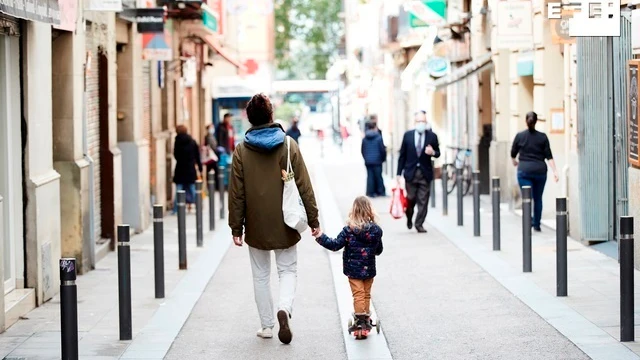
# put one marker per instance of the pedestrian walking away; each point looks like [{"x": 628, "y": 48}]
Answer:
[
  {"x": 255, "y": 211},
  {"x": 294, "y": 131},
  {"x": 362, "y": 242},
  {"x": 225, "y": 136},
  {"x": 532, "y": 148},
  {"x": 188, "y": 165},
  {"x": 374, "y": 154},
  {"x": 418, "y": 147},
  {"x": 208, "y": 154}
]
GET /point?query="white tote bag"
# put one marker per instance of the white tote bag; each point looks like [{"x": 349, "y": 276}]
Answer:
[{"x": 295, "y": 215}]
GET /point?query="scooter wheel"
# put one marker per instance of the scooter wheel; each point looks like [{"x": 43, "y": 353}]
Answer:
[{"x": 378, "y": 326}]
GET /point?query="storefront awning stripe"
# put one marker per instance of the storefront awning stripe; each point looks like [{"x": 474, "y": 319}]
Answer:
[
  {"x": 482, "y": 63},
  {"x": 418, "y": 59},
  {"x": 210, "y": 37}
]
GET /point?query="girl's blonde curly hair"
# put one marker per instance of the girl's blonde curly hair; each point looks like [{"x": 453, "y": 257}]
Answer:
[{"x": 362, "y": 213}]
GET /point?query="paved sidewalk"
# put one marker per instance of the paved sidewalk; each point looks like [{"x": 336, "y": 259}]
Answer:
[
  {"x": 435, "y": 303},
  {"x": 593, "y": 277},
  {"x": 38, "y": 335}
]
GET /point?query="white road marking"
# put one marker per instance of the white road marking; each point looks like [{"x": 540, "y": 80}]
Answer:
[{"x": 375, "y": 346}]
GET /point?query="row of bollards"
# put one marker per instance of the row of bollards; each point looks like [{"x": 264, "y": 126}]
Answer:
[
  {"x": 68, "y": 288},
  {"x": 626, "y": 241}
]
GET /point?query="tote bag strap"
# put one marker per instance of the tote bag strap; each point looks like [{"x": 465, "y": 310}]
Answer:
[{"x": 289, "y": 169}]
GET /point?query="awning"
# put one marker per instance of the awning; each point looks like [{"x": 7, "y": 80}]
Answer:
[
  {"x": 481, "y": 63},
  {"x": 211, "y": 38},
  {"x": 418, "y": 60},
  {"x": 44, "y": 11}
]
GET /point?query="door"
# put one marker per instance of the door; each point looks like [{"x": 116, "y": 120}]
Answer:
[
  {"x": 10, "y": 159},
  {"x": 621, "y": 55}
]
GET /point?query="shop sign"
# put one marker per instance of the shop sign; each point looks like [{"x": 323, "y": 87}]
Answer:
[
  {"x": 45, "y": 11},
  {"x": 426, "y": 12},
  {"x": 157, "y": 46},
  {"x": 217, "y": 8},
  {"x": 68, "y": 13},
  {"x": 437, "y": 66},
  {"x": 150, "y": 20},
  {"x": 515, "y": 25},
  {"x": 560, "y": 28},
  {"x": 103, "y": 5},
  {"x": 591, "y": 18}
]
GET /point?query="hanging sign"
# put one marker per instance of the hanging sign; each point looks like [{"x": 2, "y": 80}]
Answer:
[
  {"x": 103, "y": 5},
  {"x": 515, "y": 25},
  {"x": 68, "y": 13},
  {"x": 438, "y": 66},
  {"x": 150, "y": 20},
  {"x": 560, "y": 28},
  {"x": 426, "y": 12},
  {"x": 45, "y": 11}
]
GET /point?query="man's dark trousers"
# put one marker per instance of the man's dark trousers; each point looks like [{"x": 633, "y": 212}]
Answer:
[
  {"x": 418, "y": 193},
  {"x": 375, "y": 183}
]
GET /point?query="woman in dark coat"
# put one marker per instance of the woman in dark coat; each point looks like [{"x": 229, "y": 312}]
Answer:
[{"x": 188, "y": 165}]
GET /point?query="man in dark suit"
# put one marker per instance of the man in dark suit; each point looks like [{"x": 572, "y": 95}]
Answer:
[{"x": 417, "y": 149}]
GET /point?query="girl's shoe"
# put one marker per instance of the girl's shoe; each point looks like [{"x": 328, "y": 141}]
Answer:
[
  {"x": 361, "y": 323},
  {"x": 265, "y": 333}
]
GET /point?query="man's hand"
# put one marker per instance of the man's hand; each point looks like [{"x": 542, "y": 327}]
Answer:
[
  {"x": 237, "y": 240},
  {"x": 555, "y": 177},
  {"x": 316, "y": 232},
  {"x": 429, "y": 150},
  {"x": 515, "y": 162}
]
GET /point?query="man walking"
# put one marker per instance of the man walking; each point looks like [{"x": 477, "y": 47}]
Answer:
[
  {"x": 374, "y": 154},
  {"x": 417, "y": 149}
]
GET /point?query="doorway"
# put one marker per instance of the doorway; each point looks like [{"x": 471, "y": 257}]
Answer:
[
  {"x": 10, "y": 160},
  {"x": 107, "y": 209}
]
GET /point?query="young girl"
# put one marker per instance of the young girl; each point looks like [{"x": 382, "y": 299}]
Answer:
[{"x": 362, "y": 242}]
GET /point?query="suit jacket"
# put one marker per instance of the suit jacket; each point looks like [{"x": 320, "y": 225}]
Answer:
[{"x": 408, "y": 160}]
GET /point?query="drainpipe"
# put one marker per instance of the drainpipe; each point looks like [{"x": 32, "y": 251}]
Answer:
[
  {"x": 567, "y": 116},
  {"x": 85, "y": 152}
]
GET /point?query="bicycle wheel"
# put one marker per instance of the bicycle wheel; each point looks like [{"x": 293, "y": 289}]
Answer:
[
  {"x": 466, "y": 179},
  {"x": 451, "y": 177}
]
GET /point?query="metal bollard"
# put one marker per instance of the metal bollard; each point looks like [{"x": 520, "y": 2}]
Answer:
[
  {"x": 561, "y": 247},
  {"x": 445, "y": 194},
  {"x": 526, "y": 228},
  {"x": 476, "y": 203},
  {"x": 495, "y": 194},
  {"x": 199, "y": 213},
  {"x": 211, "y": 185},
  {"x": 460, "y": 204},
  {"x": 221, "y": 189},
  {"x": 124, "y": 283},
  {"x": 627, "y": 331},
  {"x": 433, "y": 186},
  {"x": 68, "y": 309},
  {"x": 158, "y": 250},
  {"x": 182, "y": 235}
]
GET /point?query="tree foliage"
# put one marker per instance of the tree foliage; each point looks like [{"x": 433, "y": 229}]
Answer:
[{"x": 308, "y": 35}]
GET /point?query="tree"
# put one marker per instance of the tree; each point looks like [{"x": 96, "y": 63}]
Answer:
[{"x": 308, "y": 35}]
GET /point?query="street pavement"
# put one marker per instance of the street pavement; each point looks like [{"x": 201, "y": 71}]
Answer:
[
  {"x": 440, "y": 295},
  {"x": 436, "y": 303}
]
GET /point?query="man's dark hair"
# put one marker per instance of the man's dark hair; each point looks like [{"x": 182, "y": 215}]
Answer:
[
  {"x": 370, "y": 125},
  {"x": 373, "y": 117},
  {"x": 259, "y": 110},
  {"x": 226, "y": 116}
]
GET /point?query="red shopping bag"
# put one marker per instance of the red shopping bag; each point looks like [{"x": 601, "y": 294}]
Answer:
[{"x": 398, "y": 203}]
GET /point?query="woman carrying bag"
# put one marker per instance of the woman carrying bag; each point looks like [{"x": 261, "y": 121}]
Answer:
[{"x": 188, "y": 166}]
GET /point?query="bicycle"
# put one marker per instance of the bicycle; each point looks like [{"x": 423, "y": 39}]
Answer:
[{"x": 462, "y": 160}]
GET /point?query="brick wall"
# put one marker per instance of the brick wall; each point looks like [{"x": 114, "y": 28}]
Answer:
[{"x": 93, "y": 121}]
